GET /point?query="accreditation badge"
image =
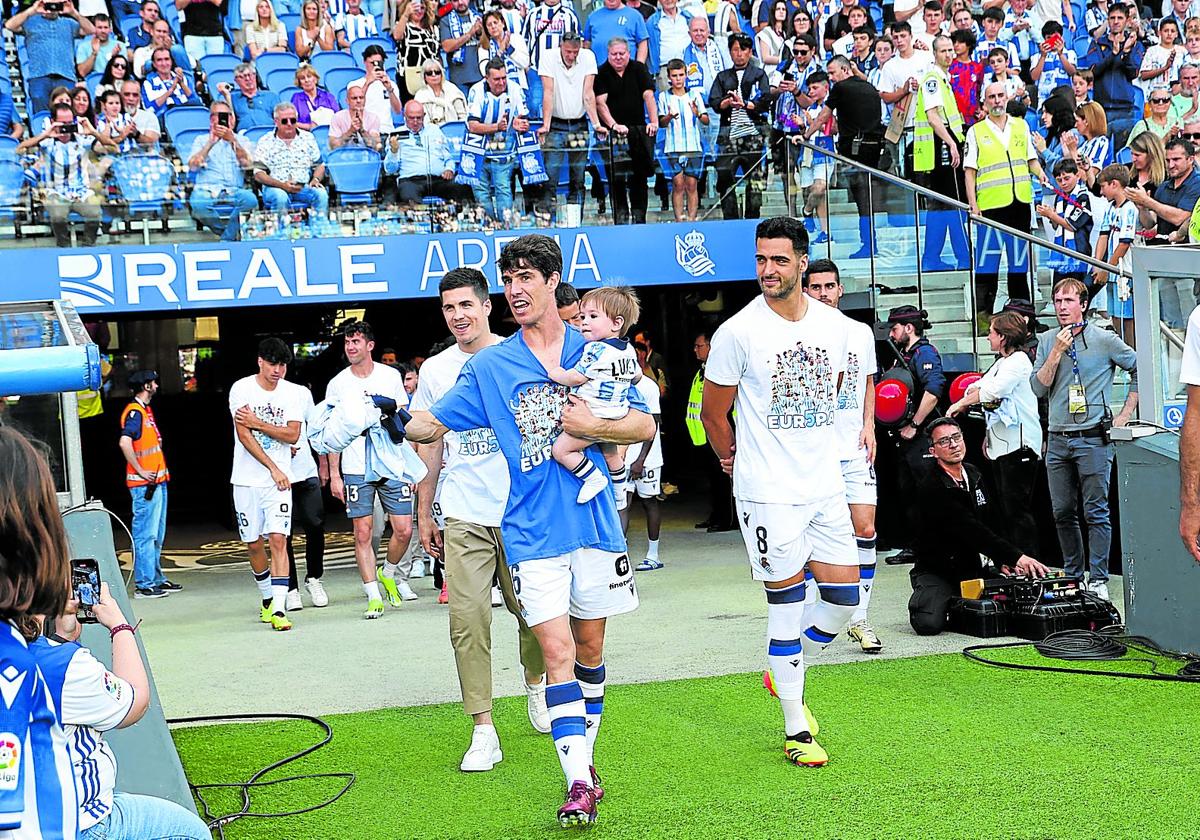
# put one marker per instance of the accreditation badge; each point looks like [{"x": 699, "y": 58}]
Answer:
[{"x": 1076, "y": 399}]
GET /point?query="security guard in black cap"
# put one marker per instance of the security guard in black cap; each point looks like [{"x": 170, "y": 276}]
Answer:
[{"x": 906, "y": 329}]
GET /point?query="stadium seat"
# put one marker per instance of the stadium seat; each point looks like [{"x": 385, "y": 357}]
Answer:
[
  {"x": 253, "y": 135},
  {"x": 321, "y": 135},
  {"x": 357, "y": 48},
  {"x": 93, "y": 81},
  {"x": 355, "y": 173},
  {"x": 145, "y": 184},
  {"x": 290, "y": 22},
  {"x": 336, "y": 80},
  {"x": 324, "y": 62},
  {"x": 285, "y": 94},
  {"x": 455, "y": 133},
  {"x": 183, "y": 117},
  {"x": 13, "y": 204},
  {"x": 219, "y": 61},
  {"x": 280, "y": 78},
  {"x": 1124, "y": 156},
  {"x": 217, "y": 77},
  {"x": 268, "y": 63},
  {"x": 185, "y": 139}
]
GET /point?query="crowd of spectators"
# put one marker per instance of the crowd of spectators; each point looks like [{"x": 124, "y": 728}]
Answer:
[{"x": 536, "y": 92}]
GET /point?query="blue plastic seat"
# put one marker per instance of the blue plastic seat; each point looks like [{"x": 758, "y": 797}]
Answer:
[
  {"x": 12, "y": 189},
  {"x": 336, "y": 80},
  {"x": 185, "y": 139},
  {"x": 455, "y": 133},
  {"x": 321, "y": 135},
  {"x": 285, "y": 94},
  {"x": 355, "y": 173},
  {"x": 268, "y": 63},
  {"x": 217, "y": 77},
  {"x": 323, "y": 62},
  {"x": 145, "y": 183},
  {"x": 360, "y": 45},
  {"x": 280, "y": 78},
  {"x": 183, "y": 117},
  {"x": 253, "y": 135},
  {"x": 219, "y": 61}
]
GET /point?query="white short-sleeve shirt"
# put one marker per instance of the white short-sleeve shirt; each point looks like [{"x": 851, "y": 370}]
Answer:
[
  {"x": 383, "y": 381},
  {"x": 611, "y": 366},
  {"x": 304, "y": 465},
  {"x": 277, "y": 407},
  {"x": 1189, "y": 367},
  {"x": 474, "y": 480},
  {"x": 786, "y": 373}
]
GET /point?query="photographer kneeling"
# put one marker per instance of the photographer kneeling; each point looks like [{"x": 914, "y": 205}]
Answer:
[{"x": 956, "y": 527}]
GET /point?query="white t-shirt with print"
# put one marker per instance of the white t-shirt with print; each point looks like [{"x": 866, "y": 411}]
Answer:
[
  {"x": 474, "y": 479},
  {"x": 786, "y": 373},
  {"x": 383, "y": 381},
  {"x": 860, "y": 363},
  {"x": 611, "y": 366},
  {"x": 304, "y": 465},
  {"x": 277, "y": 407}
]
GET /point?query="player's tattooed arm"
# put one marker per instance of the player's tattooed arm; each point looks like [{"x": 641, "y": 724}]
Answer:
[
  {"x": 562, "y": 376},
  {"x": 578, "y": 421},
  {"x": 424, "y": 428}
]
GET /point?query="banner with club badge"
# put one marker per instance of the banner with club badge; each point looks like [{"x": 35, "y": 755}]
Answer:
[{"x": 529, "y": 156}]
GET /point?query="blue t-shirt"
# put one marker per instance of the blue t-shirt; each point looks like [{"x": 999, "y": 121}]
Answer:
[
  {"x": 50, "y": 45},
  {"x": 504, "y": 387},
  {"x": 605, "y": 24}
]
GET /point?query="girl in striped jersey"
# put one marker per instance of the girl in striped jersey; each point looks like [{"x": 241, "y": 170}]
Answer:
[
  {"x": 682, "y": 114},
  {"x": 90, "y": 700},
  {"x": 37, "y": 789}
]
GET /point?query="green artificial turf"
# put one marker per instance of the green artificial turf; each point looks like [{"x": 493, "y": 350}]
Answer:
[{"x": 919, "y": 748}]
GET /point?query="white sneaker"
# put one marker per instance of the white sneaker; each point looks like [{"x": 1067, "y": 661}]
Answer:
[
  {"x": 406, "y": 592},
  {"x": 316, "y": 592},
  {"x": 293, "y": 602},
  {"x": 1099, "y": 589},
  {"x": 418, "y": 569},
  {"x": 497, "y": 597},
  {"x": 484, "y": 752},
  {"x": 592, "y": 485},
  {"x": 539, "y": 715}
]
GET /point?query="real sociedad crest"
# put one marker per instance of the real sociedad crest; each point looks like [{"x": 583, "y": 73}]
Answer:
[{"x": 692, "y": 256}]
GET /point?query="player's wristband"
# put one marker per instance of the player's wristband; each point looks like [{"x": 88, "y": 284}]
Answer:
[{"x": 112, "y": 634}]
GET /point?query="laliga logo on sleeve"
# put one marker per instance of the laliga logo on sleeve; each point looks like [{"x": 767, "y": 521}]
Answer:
[
  {"x": 692, "y": 256},
  {"x": 86, "y": 279},
  {"x": 10, "y": 761}
]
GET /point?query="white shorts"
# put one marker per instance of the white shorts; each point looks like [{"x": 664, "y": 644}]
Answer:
[
  {"x": 781, "y": 539},
  {"x": 586, "y": 583},
  {"x": 262, "y": 510},
  {"x": 859, "y": 475},
  {"x": 806, "y": 176},
  {"x": 648, "y": 486}
]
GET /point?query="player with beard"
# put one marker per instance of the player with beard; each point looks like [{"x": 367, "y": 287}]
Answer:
[{"x": 780, "y": 362}]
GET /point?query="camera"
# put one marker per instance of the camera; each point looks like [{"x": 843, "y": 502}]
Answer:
[
  {"x": 54, "y": 7},
  {"x": 68, "y": 129}
]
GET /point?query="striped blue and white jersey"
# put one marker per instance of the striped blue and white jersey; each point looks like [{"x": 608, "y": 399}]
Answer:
[
  {"x": 486, "y": 107},
  {"x": 37, "y": 784},
  {"x": 544, "y": 28},
  {"x": 683, "y": 133},
  {"x": 90, "y": 700}
]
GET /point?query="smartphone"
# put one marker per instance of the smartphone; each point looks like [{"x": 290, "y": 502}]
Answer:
[
  {"x": 85, "y": 586},
  {"x": 54, "y": 7},
  {"x": 223, "y": 119},
  {"x": 1055, "y": 41},
  {"x": 68, "y": 128}
]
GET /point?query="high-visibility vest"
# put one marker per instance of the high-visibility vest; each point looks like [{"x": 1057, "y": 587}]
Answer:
[
  {"x": 90, "y": 403},
  {"x": 1002, "y": 172},
  {"x": 923, "y": 129},
  {"x": 147, "y": 448},
  {"x": 695, "y": 426}
]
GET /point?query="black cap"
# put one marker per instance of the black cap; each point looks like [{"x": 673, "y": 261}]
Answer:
[
  {"x": 906, "y": 314},
  {"x": 139, "y": 378},
  {"x": 1025, "y": 309}
]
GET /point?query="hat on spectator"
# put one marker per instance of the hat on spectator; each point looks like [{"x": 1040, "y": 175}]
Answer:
[
  {"x": 906, "y": 314},
  {"x": 139, "y": 378},
  {"x": 1026, "y": 309}
]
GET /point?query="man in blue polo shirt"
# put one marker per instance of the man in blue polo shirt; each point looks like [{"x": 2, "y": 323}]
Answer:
[
  {"x": 50, "y": 46},
  {"x": 569, "y": 562},
  {"x": 254, "y": 108},
  {"x": 615, "y": 20}
]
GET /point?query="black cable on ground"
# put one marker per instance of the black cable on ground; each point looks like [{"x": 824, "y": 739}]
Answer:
[
  {"x": 217, "y": 823},
  {"x": 1088, "y": 645}
]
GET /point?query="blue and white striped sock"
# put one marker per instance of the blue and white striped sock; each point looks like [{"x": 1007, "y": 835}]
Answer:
[
  {"x": 569, "y": 730},
  {"x": 591, "y": 681},
  {"x": 829, "y": 616},
  {"x": 785, "y": 653},
  {"x": 866, "y": 577}
]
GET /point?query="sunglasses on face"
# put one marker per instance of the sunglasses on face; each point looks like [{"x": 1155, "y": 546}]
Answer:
[
  {"x": 1192, "y": 136},
  {"x": 287, "y": 120},
  {"x": 1158, "y": 100},
  {"x": 433, "y": 72},
  {"x": 801, "y": 53}
]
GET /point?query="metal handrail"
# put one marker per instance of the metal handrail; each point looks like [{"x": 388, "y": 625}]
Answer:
[
  {"x": 958, "y": 205},
  {"x": 1169, "y": 334}
]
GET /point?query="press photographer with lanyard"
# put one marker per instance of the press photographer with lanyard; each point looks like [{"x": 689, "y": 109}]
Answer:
[{"x": 1074, "y": 370}]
